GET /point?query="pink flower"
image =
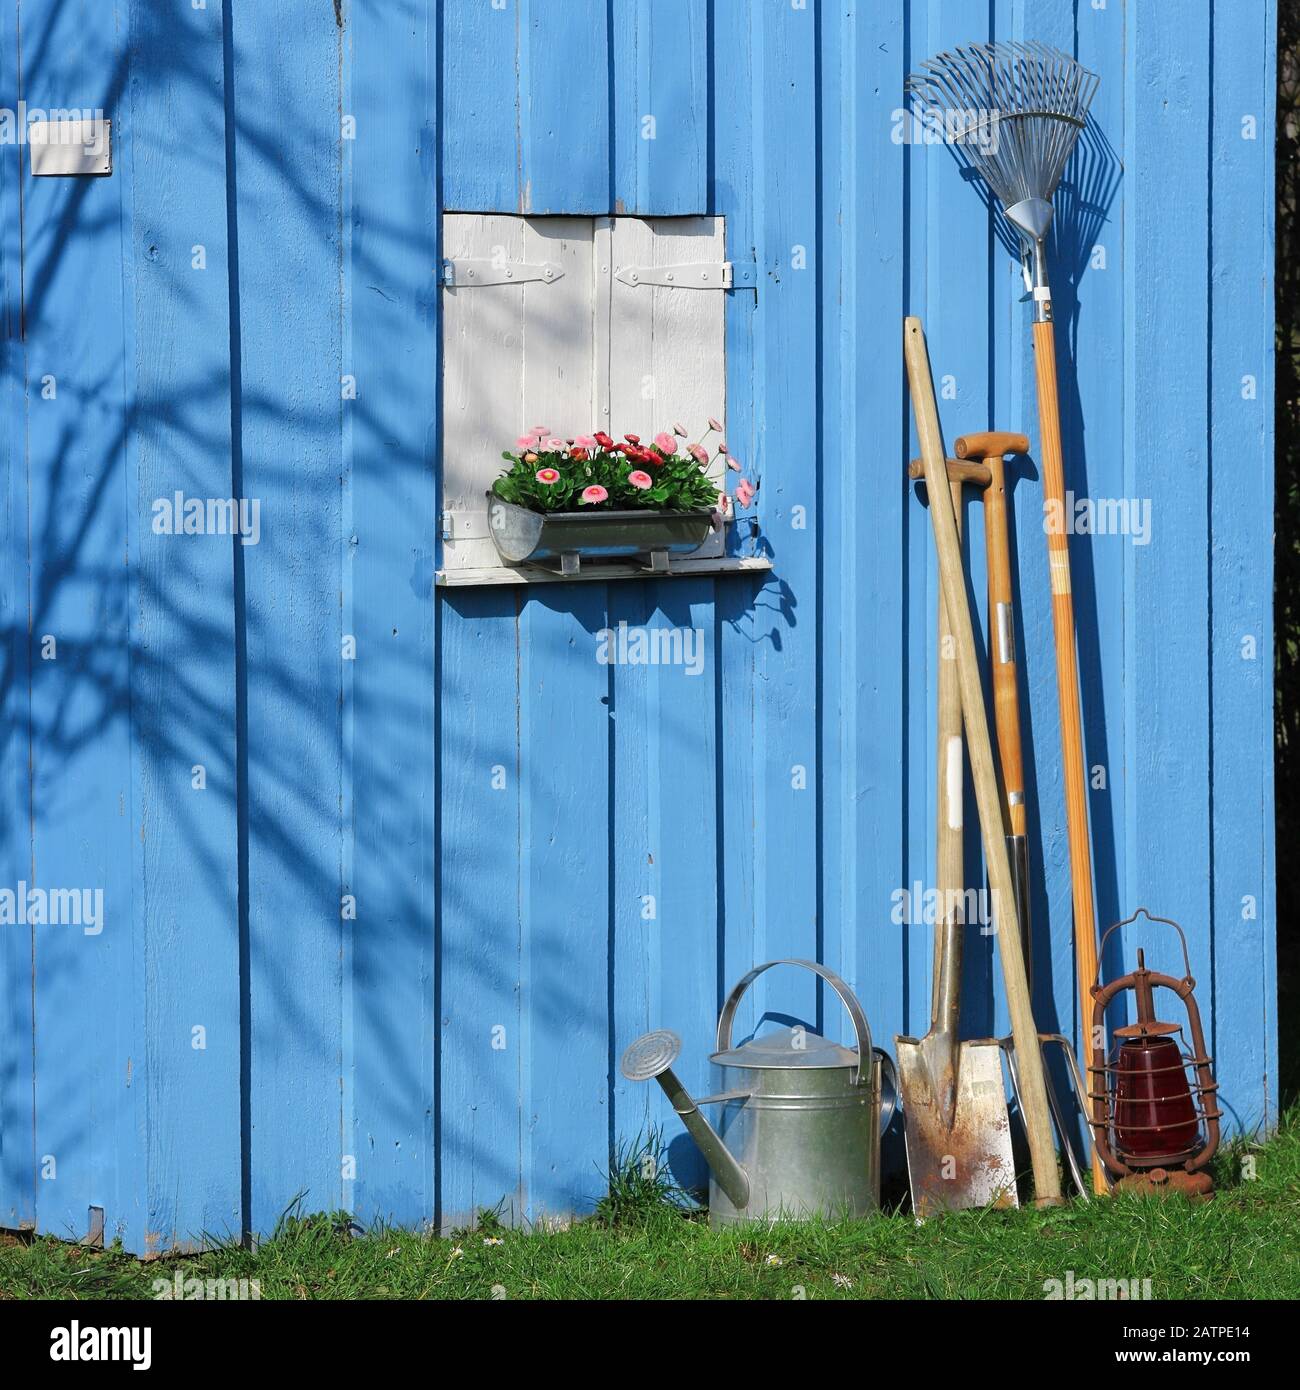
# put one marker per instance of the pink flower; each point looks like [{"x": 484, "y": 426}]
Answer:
[
  {"x": 547, "y": 475},
  {"x": 666, "y": 443},
  {"x": 525, "y": 441},
  {"x": 724, "y": 503},
  {"x": 594, "y": 493},
  {"x": 585, "y": 441},
  {"x": 697, "y": 452},
  {"x": 713, "y": 425},
  {"x": 539, "y": 430},
  {"x": 745, "y": 492},
  {"x": 679, "y": 430},
  {"x": 556, "y": 444},
  {"x": 733, "y": 464},
  {"x": 640, "y": 479}
]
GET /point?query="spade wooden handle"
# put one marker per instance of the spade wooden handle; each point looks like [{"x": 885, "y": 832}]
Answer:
[{"x": 1033, "y": 1088}]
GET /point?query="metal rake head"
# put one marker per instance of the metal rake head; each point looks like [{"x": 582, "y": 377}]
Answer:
[{"x": 1014, "y": 112}]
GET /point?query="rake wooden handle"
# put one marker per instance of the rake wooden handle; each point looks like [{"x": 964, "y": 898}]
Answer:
[
  {"x": 1067, "y": 687},
  {"x": 1033, "y": 1088}
]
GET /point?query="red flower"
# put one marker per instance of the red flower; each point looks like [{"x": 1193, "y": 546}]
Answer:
[
  {"x": 632, "y": 438},
  {"x": 604, "y": 441},
  {"x": 577, "y": 453}
]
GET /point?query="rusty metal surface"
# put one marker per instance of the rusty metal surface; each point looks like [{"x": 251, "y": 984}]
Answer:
[
  {"x": 1163, "y": 1181},
  {"x": 969, "y": 1164}
]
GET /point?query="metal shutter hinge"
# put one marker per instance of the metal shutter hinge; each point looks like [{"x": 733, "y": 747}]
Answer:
[
  {"x": 697, "y": 275},
  {"x": 475, "y": 274}
]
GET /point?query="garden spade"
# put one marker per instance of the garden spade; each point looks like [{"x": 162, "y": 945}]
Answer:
[
  {"x": 957, "y": 1131},
  {"x": 1033, "y": 1087}
]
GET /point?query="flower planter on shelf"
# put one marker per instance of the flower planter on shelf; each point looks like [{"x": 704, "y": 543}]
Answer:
[{"x": 564, "y": 540}]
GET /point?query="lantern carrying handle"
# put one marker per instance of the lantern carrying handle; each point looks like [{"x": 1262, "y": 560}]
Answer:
[
  {"x": 862, "y": 1073},
  {"x": 1151, "y": 917}
]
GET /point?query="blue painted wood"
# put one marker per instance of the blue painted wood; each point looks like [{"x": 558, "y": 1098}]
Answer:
[
  {"x": 293, "y": 416},
  {"x": 17, "y": 1055},
  {"x": 482, "y": 1026},
  {"x": 865, "y": 674},
  {"x": 480, "y": 100},
  {"x": 458, "y": 1042},
  {"x": 86, "y": 1099},
  {"x": 564, "y": 876},
  {"x": 665, "y": 800},
  {"x": 187, "y": 1057},
  {"x": 784, "y": 726},
  {"x": 1168, "y": 825},
  {"x": 392, "y": 248},
  {"x": 1240, "y": 478},
  {"x": 660, "y": 51},
  {"x": 563, "y": 108}
]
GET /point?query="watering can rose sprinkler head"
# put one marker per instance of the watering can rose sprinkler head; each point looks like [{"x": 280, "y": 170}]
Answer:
[{"x": 651, "y": 1057}]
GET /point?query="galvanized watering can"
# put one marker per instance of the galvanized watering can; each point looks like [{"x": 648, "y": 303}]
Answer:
[{"x": 800, "y": 1133}]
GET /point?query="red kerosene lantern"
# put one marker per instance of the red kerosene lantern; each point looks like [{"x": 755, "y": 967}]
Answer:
[{"x": 1155, "y": 1120}]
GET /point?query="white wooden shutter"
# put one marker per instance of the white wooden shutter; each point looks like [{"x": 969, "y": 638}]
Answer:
[
  {"x": 538, "y": 329},
  {"x": 667, "y": 341}
]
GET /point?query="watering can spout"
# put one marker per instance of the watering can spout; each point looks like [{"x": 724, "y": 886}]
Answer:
[{"x": 652, "y": 1055}]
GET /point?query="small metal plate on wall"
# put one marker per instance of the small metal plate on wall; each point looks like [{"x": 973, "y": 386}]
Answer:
[{"x": 70, "y": 148}]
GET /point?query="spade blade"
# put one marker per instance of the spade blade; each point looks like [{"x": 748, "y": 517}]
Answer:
[{"x": 969, "y": 1164}]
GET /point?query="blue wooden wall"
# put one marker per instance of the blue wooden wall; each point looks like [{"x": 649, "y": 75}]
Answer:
[{"x": 495, "y": 806}]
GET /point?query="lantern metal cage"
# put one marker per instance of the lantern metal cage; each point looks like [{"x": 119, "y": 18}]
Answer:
[{"x": 1155, "y": 1114}]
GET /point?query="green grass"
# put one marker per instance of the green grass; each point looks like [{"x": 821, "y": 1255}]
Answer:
[{"x": 641, "y": 1245}]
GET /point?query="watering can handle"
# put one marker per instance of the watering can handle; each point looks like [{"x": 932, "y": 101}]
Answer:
[{"x": 847, "y": 998}]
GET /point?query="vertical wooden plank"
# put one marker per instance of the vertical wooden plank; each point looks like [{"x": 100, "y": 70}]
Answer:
[
  {"x": 17, "y": 1057},
  {"x": 287, "y": 66},
  {"x": 392, "y": 57},
  {"x": 958, "y": 253},
  {"x": 564, "y": 133},
  {"x": 659, "y": 63},
  {"x": 1167, "y": 672},
  {"x": 565, "y": 852},
  {"x": 742, "y": 625},
  {"x": 786, "y": 686},
  {"x": 1240, "y": 475},
  {"x": 481, "y": 105},
  {"x": 865, "y": 669},
  {"x": 1090, "y": 251},
  {"x": 664, "y": 800},
  {"x": 183, "y": 697},
  {"x": 666, "y": 364},
  {"x": 87, "y": 1150},
  {"x": 483, "y": 1038}
]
